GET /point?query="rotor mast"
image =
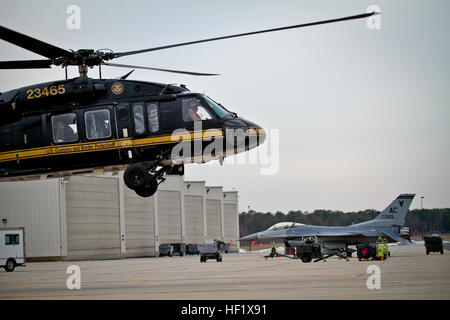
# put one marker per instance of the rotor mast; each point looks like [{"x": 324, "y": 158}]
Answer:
[{"x": 83, "y": 70}]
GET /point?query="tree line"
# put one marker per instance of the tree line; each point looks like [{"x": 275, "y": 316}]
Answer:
[{"x": 419, "y": 220}]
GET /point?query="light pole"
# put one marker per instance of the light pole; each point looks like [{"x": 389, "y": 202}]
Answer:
[{"x": 421, "y": 202}]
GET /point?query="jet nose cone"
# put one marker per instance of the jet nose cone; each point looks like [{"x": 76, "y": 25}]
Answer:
[{"x": 250, "y": 237}]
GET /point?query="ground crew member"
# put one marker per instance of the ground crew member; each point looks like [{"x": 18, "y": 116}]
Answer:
[
  {"x": 273, "y": 252},
  {"x": 385, "y": 248},
  {"x": 380, "y": 249}
]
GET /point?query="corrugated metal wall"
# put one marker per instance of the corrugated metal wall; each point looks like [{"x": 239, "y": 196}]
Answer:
[
  {"x": 85, "y": 218},
  {"x": 93, "y": 228},
  {"x": 169, "y": 216},
  {"x": 229, "y": 218},
  {"x": 193, "y": 208},
  {"x": 139, "y": 225},
  {"x": 34, "y": 205},
  {"x": 213, "y": 219}
]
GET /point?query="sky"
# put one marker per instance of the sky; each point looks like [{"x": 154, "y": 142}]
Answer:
[{"x": 354, "y": 116}]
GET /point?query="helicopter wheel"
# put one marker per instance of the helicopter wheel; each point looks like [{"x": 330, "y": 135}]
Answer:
[
  {"x": 148, "y": 190},
  {"x": 136, "y": 176}
]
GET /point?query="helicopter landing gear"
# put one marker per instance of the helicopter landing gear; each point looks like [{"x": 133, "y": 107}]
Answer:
[
  {"x": 148, "y": 190},
  {"x": 144, "y": 180},
  {"x": 136, "y": 176}
]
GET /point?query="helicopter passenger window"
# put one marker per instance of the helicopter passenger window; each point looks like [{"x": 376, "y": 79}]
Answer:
[
  {"x": 193, "y": 110},
  {"x": 153, "y": 122},
  {"x": 64, "y": 128},
  {"x": 98, "y": 124},
  {"x": 138, "y": 113}
]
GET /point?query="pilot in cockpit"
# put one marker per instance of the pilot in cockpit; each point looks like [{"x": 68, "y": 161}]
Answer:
[{"x": 192, "y": 111}]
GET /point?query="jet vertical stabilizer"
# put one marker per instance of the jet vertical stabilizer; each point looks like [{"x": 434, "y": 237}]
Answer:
[{"x": 393, "y": 215}]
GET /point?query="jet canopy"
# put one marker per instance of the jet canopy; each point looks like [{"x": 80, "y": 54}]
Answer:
[{"x": 285, "y": 225}]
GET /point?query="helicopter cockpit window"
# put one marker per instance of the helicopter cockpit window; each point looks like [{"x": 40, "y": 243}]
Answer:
[
  {"x": 153, "y": 122},
  {"x": 138, "y": 113},
  {"x": 98, "y": 124},
  {"x": 65, "y": 128},
  {"x": 193, "y": 110},
  {"x": 221, "y": 111}
]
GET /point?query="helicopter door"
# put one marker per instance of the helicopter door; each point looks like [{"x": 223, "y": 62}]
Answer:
[{"x": 123, "y": 121}]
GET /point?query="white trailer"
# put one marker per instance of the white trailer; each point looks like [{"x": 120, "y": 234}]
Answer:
[{"x": 12, "y": 248}]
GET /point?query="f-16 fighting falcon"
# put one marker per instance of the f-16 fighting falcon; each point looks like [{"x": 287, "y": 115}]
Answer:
[{"x": 389, "y": 224}]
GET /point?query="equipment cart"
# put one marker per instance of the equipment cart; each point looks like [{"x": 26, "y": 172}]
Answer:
[
  {"x": 433, "y": 243},
  {"x": 192, "y": 249},
  {"x": 366, "y": 251},
  {"x": 209, "y": 250},
  {"x": 165, "y": 250},
  {"x": 309, "y": 249},
  {"x": 179, "y": 248}
]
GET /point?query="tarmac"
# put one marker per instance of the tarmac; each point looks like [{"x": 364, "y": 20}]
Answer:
[{"x": 408, "y": 274}]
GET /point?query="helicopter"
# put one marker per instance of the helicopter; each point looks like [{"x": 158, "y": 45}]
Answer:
[{"x": 83, "y": 125}]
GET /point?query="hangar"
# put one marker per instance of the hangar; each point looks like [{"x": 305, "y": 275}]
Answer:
[{"x": 98, "y": 217}]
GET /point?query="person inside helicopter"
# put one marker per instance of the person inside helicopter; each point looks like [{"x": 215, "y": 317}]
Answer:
[
  {"x": 62, "y": 129},
  {"x": 192, "y": 111},
  {"x": 97, "y": 124}
]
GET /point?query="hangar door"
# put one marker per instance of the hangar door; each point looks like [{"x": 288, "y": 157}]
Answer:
[
  {"x": 213, "y": 220},
  {"x": 139, "y": 225},
  {"x": 230, "y": 224},
  {"x": 193, "y": 210},
  {"x": 169, "y": 217},
  {"x": 93, "y": 229}
]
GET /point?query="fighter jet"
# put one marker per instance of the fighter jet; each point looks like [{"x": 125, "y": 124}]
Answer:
[{"x": 389, "y": 224}]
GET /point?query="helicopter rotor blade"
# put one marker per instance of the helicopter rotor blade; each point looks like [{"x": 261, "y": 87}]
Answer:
[
  {"x": 157, "y": 69},
  {"x": 32, "y": 44},
  {"x": 359, "y": 16},
  {"x": 25, "y": 64}
]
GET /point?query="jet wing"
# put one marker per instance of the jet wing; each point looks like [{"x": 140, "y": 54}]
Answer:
[{"x": 396, "y": 238}]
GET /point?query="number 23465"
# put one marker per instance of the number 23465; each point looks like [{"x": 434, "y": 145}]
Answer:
[{"x": 46, "y": 91}]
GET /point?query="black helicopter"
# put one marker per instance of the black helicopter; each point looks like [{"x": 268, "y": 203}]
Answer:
[{"x": 85, "y": 125}]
